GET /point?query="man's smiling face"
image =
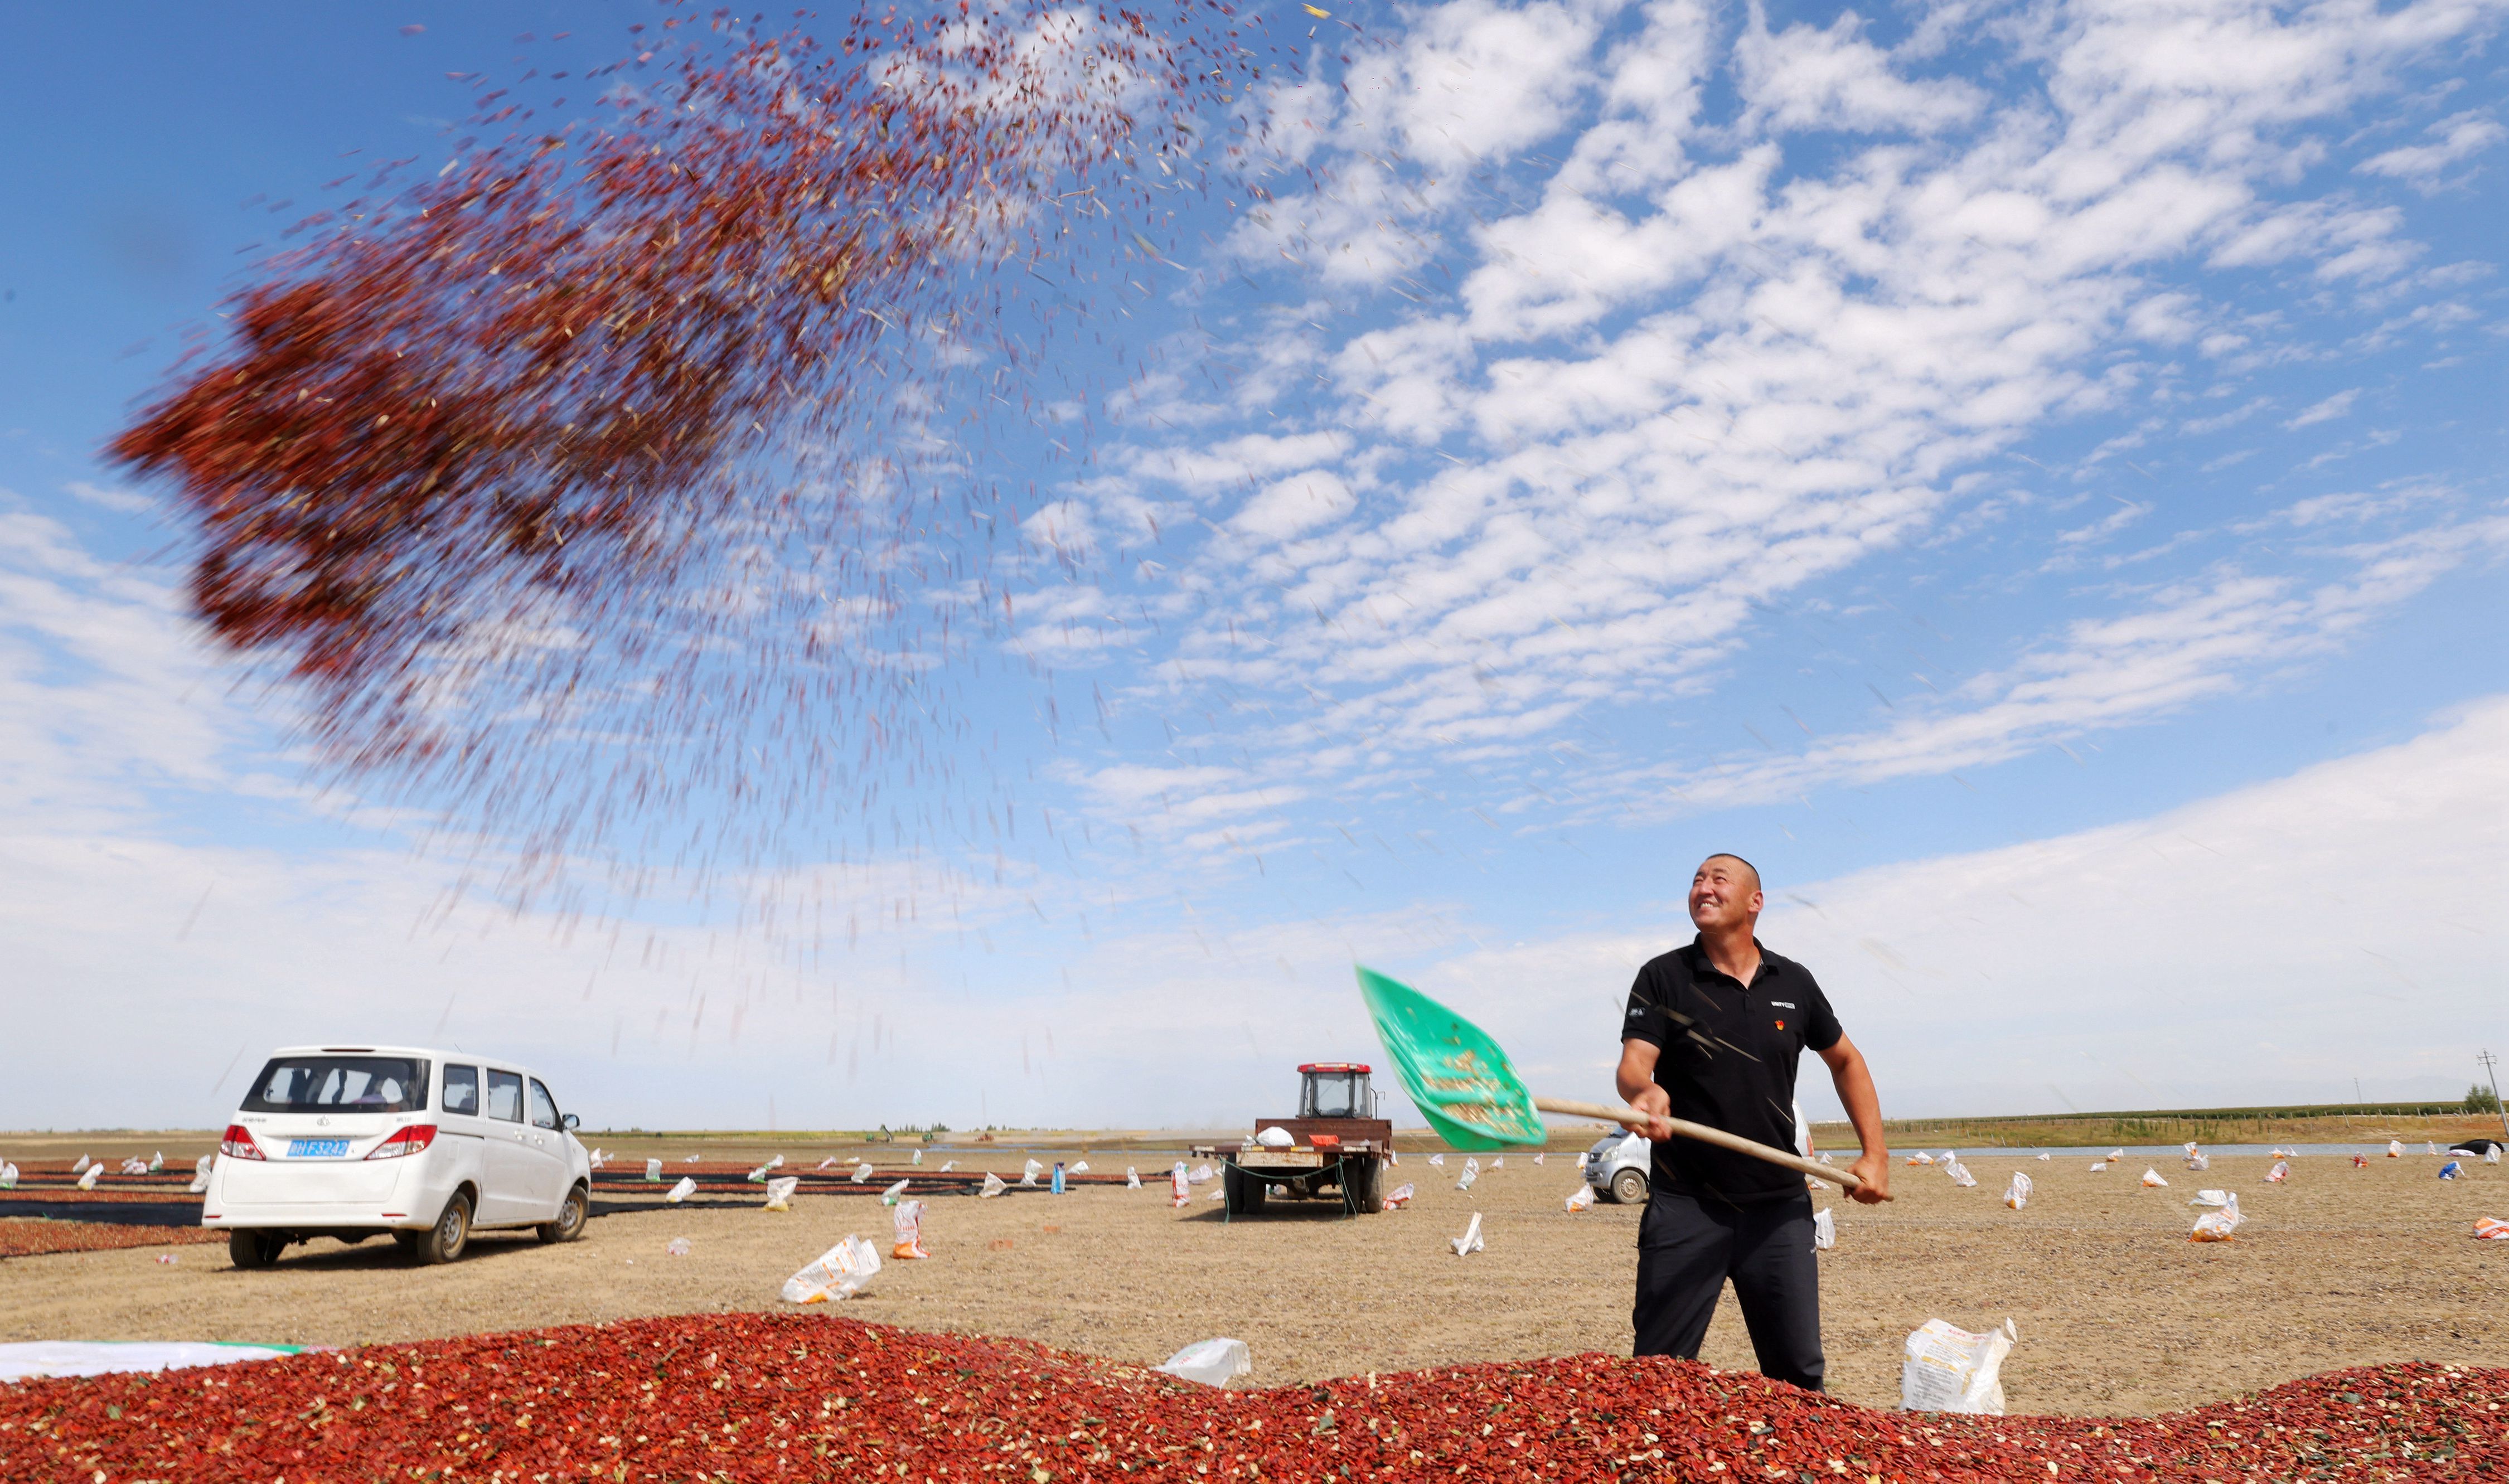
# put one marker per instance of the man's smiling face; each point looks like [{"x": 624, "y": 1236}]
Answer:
[{"x": 1724, "y": 893}]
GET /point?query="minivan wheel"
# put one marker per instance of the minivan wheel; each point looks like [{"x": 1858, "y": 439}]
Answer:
[
  {"x": 569, "y": 1224},
  {"x": 444, "y": 1241},
  {"x": 248, "y": 1248},
  {"x": 1630, "y": 1186}
]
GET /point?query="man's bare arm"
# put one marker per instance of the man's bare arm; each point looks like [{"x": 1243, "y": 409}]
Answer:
[
  {"x": 1636, "y": 1080},
  {"x": 1854, "y": 1083}
]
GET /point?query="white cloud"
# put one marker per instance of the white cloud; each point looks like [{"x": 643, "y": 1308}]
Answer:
[
  {"x": 1804, "y": 78},
  {"x": 2327, "y": 411},
  {"x": 2459, "y": 137},
  {"x": 1693, "y": 366}
]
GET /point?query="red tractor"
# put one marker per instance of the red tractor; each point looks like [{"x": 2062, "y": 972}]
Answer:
[{"x": 1336, "y": 1144}]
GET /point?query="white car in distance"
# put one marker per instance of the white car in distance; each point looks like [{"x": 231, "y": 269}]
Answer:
[{"x": 348, "y": 1141}]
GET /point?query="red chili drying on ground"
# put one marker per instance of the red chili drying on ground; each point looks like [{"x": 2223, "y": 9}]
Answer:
[
  {"x": 33, "y": 1236},
  {"x": 811, "y": 1396}
]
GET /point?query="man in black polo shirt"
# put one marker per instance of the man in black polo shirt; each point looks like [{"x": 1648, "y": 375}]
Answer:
[{"x": 1713, "y": 1035}]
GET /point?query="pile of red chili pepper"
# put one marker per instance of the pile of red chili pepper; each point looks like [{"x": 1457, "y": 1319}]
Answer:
[
  {"x": 607, "y": 402},
  {"x": 33, "y": 1236},
  {"x": 750, "y": 1396}
]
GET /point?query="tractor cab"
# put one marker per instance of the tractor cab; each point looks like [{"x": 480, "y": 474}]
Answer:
[{"x": 1335, "y": 1090}]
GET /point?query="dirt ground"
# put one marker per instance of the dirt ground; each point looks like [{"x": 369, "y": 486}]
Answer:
[{"x": 2117, "y": 1311}]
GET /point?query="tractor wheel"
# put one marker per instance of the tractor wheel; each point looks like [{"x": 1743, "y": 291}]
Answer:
[
  {"x": 1359, "y": 1183},
  {"x": 1629, "y": 1187}
]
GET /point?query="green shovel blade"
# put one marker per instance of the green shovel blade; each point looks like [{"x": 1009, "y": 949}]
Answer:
[{"x": 1456, "y": 1074}]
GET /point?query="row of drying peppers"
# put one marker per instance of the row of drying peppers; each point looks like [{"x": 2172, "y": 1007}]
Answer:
[
  {"x": 34, "y": 1237},
  {"x": 814, "y": 1397}
]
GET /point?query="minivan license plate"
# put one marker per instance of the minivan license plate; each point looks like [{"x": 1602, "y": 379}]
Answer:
[{"x": 317, "y": 1148}]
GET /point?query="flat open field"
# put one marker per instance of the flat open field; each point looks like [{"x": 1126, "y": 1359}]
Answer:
[{"x": 2117, "y": 1311}]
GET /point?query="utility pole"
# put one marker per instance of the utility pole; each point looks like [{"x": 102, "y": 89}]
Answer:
[{"x": 2490, "y": 1064}]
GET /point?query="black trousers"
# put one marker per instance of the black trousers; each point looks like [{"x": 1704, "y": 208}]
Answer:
[{"x": 1686, "y": 1251}]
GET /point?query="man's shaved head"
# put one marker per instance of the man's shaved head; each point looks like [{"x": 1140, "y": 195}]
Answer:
[
  {"x": 1725, "y": 893},
  {"x": 1728, "y": 855}
]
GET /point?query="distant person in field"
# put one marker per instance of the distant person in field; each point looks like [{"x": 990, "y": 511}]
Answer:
[{"x": 1712, "y": 1034}]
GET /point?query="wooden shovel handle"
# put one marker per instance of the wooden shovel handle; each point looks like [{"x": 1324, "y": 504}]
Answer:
[{"x": 1631, "y": 1118}]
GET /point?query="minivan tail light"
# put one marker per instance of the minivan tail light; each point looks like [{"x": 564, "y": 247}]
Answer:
[
  {"x": 408, "y": 1139},
  {"x": 237, "y": 1144}
]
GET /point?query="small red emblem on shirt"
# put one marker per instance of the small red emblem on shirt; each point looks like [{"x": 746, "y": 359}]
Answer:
[{"x": 1781, "y": 1025}]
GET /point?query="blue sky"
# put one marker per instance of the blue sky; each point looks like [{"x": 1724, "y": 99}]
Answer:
[{"x": 2027, "y": 477}]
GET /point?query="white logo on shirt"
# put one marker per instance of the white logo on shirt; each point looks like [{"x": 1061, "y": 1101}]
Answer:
[{"x": 1783, "y": 1003}]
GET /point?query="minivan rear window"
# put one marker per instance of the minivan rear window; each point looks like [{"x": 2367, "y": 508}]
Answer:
[{"x": 330, "y": 1084}]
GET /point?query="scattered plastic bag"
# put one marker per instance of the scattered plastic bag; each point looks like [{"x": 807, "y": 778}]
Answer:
[
  {"x": 1082, "y": 1167},
  {"x": 1537, "y": 1159},
  {"x": 758, "y": 1176},
  {"x": 2212, "y": 1197},
  {"x": 1132, "y": 1178},
  {"x": 907, "y": 1225},
  {"x": 1399, "y": 1197},
  {"x": 2491, "y": 1156},
  {"x": 2430, "y": 1148},
  {"x": 993, "y": 1186},
  {"x": 1210, "y": 1362},
  {"x": 94, "y": 1172},
  {"x": 9, "y": 1176},
  {"x": 862, "y": 1173},
  {"x": 2217, "y": 1226},
  {"x": 2490, "y": 1229},
  {"x": 1951, "y": 1370},
  {"x": 1581, "y": 1198},
  {"x": 33, "y": 1359},
  {"x": 199, "y": 1176},
  {"x": 1029, "y": 1172},
  {"x": 692, "y": 1159},
  {"x": 918, "y": 1158},
  {"x": 1276, "y": 1137},
  {"x": 2115, "y": 1155},
  {"x": 686, "y": 1187},
  {"x": 1179, "y": 1186},
  {"x": 2280, "y": 1172},
  {"x": 2045, "y": 1157},
  {"x": 156, "y": 1162},
  {"x": 2395, "y": 1149},
  {"x": 1824, "y": 1231},
  {"x": 1498, "y": 1161},
  {"x": 81, "y": 1163},
  {"x": 780, "y": 1192},
  {"x": 1202, "y": 1174},
  {"x": 1581, "y": 1161},
  {"x": 2098, "y": 1165},
  {"x": 1437, "y": 1160},
  {"x": 134, "y": 1165},
  {"x": 947, "y": 1165},
  {"x": 1472, "y": 1173},
  {"x": 654, "y": 1170},
  {"x": 677, "y": 1246},
  {"x": 2360, "y": 1162},
  {"x": 827, "y": 1163},
  {"x": 596, "y": 1158},
  {"x": 893, "y": 1195},
  {"x": 1921, "y": 1157},
  {"x": 1960, "y": 1173},
  {"x": 2199, "y": 1161},
  {"x": 2018, "y": 1193},
  {"x": 2188, "y": 1146},
  {"x": 840, "y": 1273},
  {"x": 1471, "y": 1241},
  {"x": 2152, "y": 1178},
  {"x": 2451, "y": 1171}
]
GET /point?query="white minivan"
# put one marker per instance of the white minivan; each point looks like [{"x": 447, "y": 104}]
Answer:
[{"x": 348, "y": 1141}]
